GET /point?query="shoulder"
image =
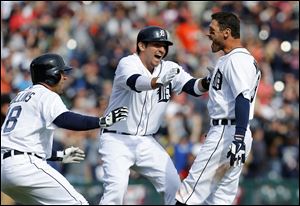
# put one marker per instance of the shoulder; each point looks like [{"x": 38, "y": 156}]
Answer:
[
  {"x": 41, "y": 89},
  {"x": 44, "y": 93},
  {"x": 127, "y": 62},
  {"x": 129, "y": 59},
  {"x": 129, "y": 65},
  {"x": 240, "y": 54}
]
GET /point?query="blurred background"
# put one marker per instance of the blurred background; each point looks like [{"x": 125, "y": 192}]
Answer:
[{"x": 93, "y": 36}]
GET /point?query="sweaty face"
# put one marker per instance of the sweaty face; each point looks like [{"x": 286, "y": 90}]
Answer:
[
  {"x": 154, "y": 52},
  {"x": 216, "y": 36}
]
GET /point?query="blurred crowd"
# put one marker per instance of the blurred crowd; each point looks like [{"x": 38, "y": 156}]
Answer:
[{"x": 93, "y": 36}]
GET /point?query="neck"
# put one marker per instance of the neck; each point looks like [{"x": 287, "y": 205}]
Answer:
[
  {"x": 46, "y": 85},
  {"x": 147, "y": 65},
  {"x": 151, "y": 69},
  {"x": 231, "y": 45}
]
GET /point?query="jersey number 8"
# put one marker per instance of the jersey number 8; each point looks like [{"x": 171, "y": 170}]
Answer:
[{"x": 12, "y": 119}]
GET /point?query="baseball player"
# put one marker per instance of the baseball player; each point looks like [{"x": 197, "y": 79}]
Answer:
[
  {"x": 144, "y": 83},
  {"x": 214, "y": 176},
  {"x": 27, "y": 137}
]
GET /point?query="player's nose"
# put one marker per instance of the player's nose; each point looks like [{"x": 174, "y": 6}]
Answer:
[
  {"x": 65, "y": 77},
  {"x": 162, "y": 50}
]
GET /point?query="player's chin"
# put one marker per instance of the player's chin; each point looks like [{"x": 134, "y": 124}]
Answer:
[
  {"x": 155, "y": 61},
  {"x": 60, "y": 90},
  {"x": 215, "y": 48}
]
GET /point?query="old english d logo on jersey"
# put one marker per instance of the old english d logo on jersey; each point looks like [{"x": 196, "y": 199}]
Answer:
[
  {"x": 217, "y": 83},
  {"x": 164, "y": 93}
]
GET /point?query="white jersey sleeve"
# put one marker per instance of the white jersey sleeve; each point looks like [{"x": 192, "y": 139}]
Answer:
[
  {"x": 51, "y": 107},
  {"x": 241, "y": 74},
  {"x": 127, "y": 67}
]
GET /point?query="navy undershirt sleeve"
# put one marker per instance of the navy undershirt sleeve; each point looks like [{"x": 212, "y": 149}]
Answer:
[
  {"x": 242, "y": 108},
  {"x": 77, "y": 122},
  {"x": 189, "y": 87},
  {"x": 131, "y": 81}
]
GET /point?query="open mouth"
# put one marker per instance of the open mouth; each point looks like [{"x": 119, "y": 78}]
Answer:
[{"x": 158, "y": 56}]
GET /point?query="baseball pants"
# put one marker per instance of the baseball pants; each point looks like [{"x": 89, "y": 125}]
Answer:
[
  {"x": 30, "y": 180},
  {"x": 211, "y": 180},
  {"x": 121, "y": 152}
]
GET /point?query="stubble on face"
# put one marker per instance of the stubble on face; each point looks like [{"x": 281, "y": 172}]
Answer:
[
  {"x": 155, "y": 53},
  {"x": 59, "y": 87},
  {"x": 215, "y": 35}
]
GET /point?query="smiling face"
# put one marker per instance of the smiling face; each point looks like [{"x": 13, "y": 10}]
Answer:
[
  {"x": 216, "y": 36},
  {"x": 152, "y": 53}
]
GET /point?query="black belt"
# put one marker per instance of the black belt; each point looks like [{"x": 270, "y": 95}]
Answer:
[
  {"x": 124, "y": 133},
  {"x": 16, "y": 152},
  {"x": 113, "y": 131},
  {"x": 216, "y": 122}
]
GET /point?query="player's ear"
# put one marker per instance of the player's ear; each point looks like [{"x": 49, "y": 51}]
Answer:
[
  {"x": 142, "y": 46},
  {"x": 227, "y": 32}
]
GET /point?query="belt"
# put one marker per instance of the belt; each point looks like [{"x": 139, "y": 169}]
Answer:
[
  {"x": 16, "y": 152},
  {"x": 124, "y": 133},
  {"x": 215, "y": 122},
  {"x": 113, "y": 131}
]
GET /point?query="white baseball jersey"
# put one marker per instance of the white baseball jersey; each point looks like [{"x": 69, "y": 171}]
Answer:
[
  {"x": 211, "y": 179},
  {"x": 234, "y": 73},
  {"x": 28, "y": 125},
  {"x": 145, "y": 109},
  {"x": 140, "y": 149},
  {"x": 28, "y": 128}
]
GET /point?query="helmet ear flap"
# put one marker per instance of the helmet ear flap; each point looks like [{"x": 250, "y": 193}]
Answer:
[
  {"x": 53, "y": 77},
  {"x": 167, "y": 50},
  {"x": 49, "y": 82}
]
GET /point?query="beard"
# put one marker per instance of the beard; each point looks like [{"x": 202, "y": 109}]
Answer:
[{"x": 216, "y": 46}]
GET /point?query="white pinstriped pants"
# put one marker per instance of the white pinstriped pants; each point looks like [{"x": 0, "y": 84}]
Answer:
[
  {"x": 30, "y": 180},
  {"x": 146, "y": 156},
  {"x": 211, "y": 180}
]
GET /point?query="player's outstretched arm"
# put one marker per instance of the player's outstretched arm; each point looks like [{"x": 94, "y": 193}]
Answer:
[
  {"x": 139, "y": 83},
  {"x": 77, "y": 122},
  {"x": 114, "y": 116}
]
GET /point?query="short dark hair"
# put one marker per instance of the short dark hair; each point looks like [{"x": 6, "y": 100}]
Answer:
[{"x": 228, "y": 20}]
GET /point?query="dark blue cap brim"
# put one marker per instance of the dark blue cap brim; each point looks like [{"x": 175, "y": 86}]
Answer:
[{"x": 66, "y": 68}]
